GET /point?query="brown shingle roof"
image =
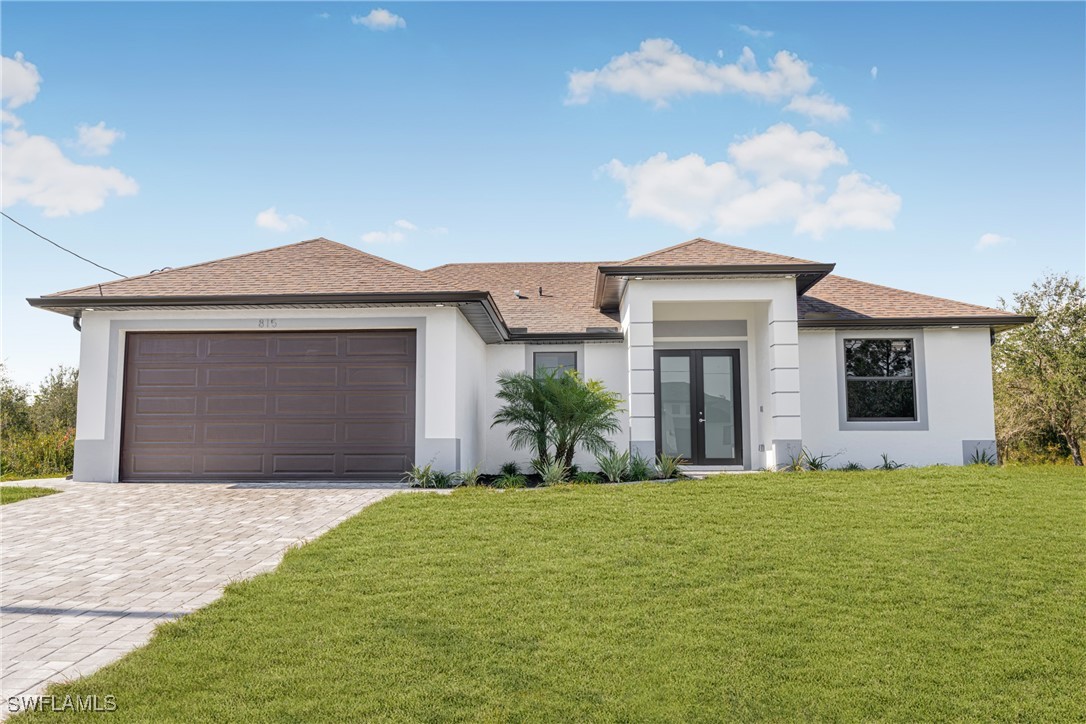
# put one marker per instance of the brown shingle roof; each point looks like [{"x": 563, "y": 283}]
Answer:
[
  {"x": 317, "y": 266},
  {"x": 837, "y": 297},
  {"x": 697, "y": 252},
  {"x": 321, "y": 266},
  {"x": 566, "y": 304}
]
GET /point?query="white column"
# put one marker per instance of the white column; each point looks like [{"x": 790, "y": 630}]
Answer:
[{"x": 786, "y": 439}]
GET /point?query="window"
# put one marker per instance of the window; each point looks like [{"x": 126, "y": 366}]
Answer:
[
  {"x": 880, "y": 382},
  {"x": 547, "y": 362}
]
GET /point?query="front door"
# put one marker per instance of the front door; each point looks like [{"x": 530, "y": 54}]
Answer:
[{"x": 698, "y": 406}]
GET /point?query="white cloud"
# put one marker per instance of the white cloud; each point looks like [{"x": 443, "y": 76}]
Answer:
[
  {"x": 754, "y": 32},
  {"x": 783, "y": 152},
  {"x": 21, "y": 80},
  {"x": 986, "y": 241},
  {"x": 820, "y": 107},
  {"x": 683, "y": 192},
  {"x": 323, "y": 16},
  {"x": 97, "y": 140},
  {"x": 874, "y": 72},
  {"x": 35, "y": 170},
  {"x": 439, "y": 230},
  {"x": 771, "y": 178},
  {"x": 405, "y": 225},
  {"x": 380, "y": 19},
  {"x": 380, "y": 237},
  {"x": 875, "y": 126},
  {"x": 271, "y": 219},
  {"x": 659, "y": 71},
  {"x": 857, "y": 203}
]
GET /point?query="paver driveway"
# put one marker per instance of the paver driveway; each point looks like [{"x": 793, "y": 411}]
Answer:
[{"x": 87, "y": 574}]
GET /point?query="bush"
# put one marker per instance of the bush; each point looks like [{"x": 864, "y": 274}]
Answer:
[
  {"x": 510, "y": 468},
  {"x": 506, "y": 480},
  {"x": 583, "y": 476},
  {"x": 37, "y": 430},
  {"x": 667, "y": 466},
  {"x": 469, "y": 478},
  {"x": 551, "y": 473},
  {"x": 639, "y": 469},
  {"x": 614, "y": 465}
]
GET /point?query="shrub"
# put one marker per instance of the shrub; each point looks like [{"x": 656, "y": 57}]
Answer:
[
  {"x": 444, "y": 480},
  {"x": 37, "y": 429},
  {"x": 419, "y": 477},
  {"x": 469, "y": 478},
  {"x": 667, "y": 466},
  {"x": 888, "y": 464},
  {"x": 36, "y": 454},
  {"x": 614, "y": 465},
  {"x": 851, "y": 467},
  {"x": 583, "y": 476},
  {"x": 552, "y": 473},
  {"x": 639, "y": 468},
  {"x": 506, "y": 480},
  {"x": 510, "y": 468},
  {"x": 981, "y": 456}
]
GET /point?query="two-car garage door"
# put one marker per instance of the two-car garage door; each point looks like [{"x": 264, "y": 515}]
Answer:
[{"x": 269, "y": 406}]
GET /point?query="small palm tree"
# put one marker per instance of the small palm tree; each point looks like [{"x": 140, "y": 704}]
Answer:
[{"x": 554, "y": 414}]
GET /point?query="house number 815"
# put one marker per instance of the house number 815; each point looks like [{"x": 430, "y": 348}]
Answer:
[{"x": 267, "y": 323}]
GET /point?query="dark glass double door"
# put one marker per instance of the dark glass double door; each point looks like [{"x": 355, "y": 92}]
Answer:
[{"x": 698, "y": 406}]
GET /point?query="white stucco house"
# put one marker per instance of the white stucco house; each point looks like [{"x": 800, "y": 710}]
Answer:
[{"x": 318, "y": 361}]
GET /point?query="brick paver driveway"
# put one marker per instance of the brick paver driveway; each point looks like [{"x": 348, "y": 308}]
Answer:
[{"x": 88, "y": 573}]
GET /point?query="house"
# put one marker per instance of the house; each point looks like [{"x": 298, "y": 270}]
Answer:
[{"x": 318, "y": 361}]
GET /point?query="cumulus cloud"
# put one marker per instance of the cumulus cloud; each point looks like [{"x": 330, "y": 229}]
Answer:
[
  {"x": 820, "y": 107},
  {"x": 97, "y": 140},
  {"x": 21, "y": 80},
  {"x": 659, "y": 70},
  {"x": 381, "y": 237},
  {"x": 271, "y": 219},
  {"x": 987, "y": 241},
  {"x": 399, "y": 230},
  {"x": 874, "y": 72},
  {"x": 405, "y": 225},
  {"x": 783, "y": 152},
  {"x": 754, "y": 32},
  {"x": 771, "y": 178},
  {"x": 36, "y": 171},
  {"x": 380, "y": 19},
  {"x": 857, "y": 203}
]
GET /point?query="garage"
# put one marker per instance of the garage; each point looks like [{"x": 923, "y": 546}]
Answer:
[{"x": 268, "y": 406}]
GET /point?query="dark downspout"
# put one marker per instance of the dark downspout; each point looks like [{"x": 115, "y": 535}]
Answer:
[{"x": 76, "y": 323}]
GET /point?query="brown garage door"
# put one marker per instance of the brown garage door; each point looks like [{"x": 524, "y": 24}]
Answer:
[{"x": 269, "y": 406}]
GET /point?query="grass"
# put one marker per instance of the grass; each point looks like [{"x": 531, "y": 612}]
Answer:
[
  {"x": 923, "y": 594},
  {"x": 15, "y": 493},
  {"x": 10, "y": 477}
]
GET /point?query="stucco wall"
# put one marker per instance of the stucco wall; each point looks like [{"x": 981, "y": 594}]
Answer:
[
  {"x": 957, "y": 377},
  {"x": 438, "y": 429}
]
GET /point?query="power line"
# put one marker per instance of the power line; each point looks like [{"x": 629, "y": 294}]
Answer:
[{"x": 19, "y": 223}]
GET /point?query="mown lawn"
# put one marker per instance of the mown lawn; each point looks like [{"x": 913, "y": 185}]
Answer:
[
  {"x": 908, "y": 595},
  {"x": 15, "y": 493}
]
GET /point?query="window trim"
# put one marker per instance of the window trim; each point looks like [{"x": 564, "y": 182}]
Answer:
[
  {"x": 536, "y": 353},
  {"x": 916, "y": 336},
  {"x": 911, "y": 378}
]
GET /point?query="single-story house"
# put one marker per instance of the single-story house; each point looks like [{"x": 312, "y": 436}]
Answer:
[{"x": 317, "y": 361}]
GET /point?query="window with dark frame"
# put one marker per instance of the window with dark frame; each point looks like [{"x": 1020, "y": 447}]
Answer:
[
  {"x": 555, "y": 362},
  {"x": 880, "y": 380}
]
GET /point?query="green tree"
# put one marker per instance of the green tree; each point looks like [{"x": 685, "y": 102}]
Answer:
[
  {"x": 1039, "y": 370},
  {"x": 14, "y": 406},
  {"x": 554, "y": 414},
  {"x": 55, "y": 402}
]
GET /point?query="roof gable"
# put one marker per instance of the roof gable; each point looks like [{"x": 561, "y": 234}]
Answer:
[{"x": 703, "y": 252}]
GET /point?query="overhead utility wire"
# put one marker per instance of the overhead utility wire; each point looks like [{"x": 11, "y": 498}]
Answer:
[{"x": 77, "y": 256}]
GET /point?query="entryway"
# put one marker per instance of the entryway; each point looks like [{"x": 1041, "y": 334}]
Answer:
[{"x": 698, "y": 406}]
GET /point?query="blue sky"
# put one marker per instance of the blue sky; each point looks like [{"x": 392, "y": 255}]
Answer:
[{"x": 152, "y": 135}]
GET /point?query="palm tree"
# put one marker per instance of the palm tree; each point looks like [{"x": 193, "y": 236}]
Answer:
[{"x": 555, "y": 413}]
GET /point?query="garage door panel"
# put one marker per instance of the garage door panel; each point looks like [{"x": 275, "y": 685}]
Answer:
[
  {"x": 166, "y": 377},
  {"x": 256, "y": 406},
  {"x": 236, "y": 376},
  {"x": 163, "y": 405},
  {"x": 236, "y": 405}
]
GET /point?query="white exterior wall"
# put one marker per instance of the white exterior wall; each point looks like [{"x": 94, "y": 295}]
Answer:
[
  {"x": 772, "y": 394},
  {"x": 441, "y": 427},
  {"x": 957, "y": 371}
]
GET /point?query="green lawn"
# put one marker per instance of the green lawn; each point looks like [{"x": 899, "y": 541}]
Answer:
[
  {"x": 15, "y": 493},
  {"x": 909, "y": 595}
]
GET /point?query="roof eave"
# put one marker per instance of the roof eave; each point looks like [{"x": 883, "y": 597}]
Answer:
[
  {"x": 806, "y": 274},
  {"x": 997, "y": 322}
]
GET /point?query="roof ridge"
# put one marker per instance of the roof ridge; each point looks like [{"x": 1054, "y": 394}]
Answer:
[
  {"x": 191, "y": 266},
  {"x": 698, "y": 239},
  {"x": 511, "y": 263},
  {"x": 907, "y": 291}
]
